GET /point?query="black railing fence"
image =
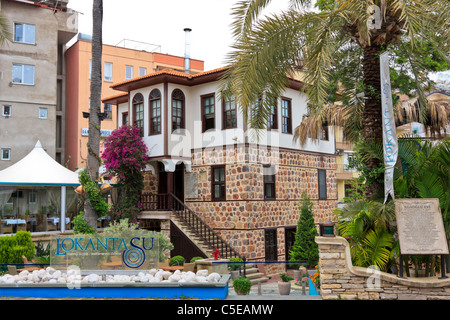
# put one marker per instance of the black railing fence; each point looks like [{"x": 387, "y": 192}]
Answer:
[{"x": 168, "y": 201}]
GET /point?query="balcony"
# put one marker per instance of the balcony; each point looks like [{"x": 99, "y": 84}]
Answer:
[
  {"x": 344, "y": 145},
  {"x": 343, "y": 172}
]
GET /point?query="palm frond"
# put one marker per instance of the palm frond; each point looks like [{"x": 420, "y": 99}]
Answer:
[
  {"x": 244, "y": 14},
  {"x": 261, "y": 63},
  {"x": 5, "y": 30},
  {"x": 377, "y": 246}
]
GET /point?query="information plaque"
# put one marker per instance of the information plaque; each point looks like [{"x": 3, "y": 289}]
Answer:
[{"x": 420, "y": 227}]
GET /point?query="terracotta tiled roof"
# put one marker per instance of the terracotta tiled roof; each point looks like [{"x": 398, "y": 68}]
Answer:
[
  {"x": 170, "y": 72},
  {"x": 118, "y": 96}
]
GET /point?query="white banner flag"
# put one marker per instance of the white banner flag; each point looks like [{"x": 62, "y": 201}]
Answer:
[{"x": 390, "y": 146}]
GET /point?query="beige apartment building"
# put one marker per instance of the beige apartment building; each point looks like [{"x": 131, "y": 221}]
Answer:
[
  {"x": 32, "y": 78},
  {"x": 119, "y": 63}
]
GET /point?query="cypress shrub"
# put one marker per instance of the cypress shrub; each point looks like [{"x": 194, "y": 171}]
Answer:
[{"x": 305, "y": 247}]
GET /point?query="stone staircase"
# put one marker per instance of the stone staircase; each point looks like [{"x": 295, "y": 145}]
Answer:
[
  {"x": 202, "y": 245},
  {"x": 254, "y": 275},
  {"x": 252, "y": 271}
]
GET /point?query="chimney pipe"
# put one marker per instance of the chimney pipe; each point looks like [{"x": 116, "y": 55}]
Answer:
[{"x": 186, "y": 50}]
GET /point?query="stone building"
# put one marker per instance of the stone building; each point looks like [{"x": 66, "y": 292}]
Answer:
[
  {"x": 33, "y": 78},
  {"x": 205, "y": 162}
]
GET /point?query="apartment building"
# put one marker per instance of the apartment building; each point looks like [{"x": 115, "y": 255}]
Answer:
[
  {"x": 119, "y": 63},
  {"x": 205, "y": 160},
  {"x": 32, "y": 78}
]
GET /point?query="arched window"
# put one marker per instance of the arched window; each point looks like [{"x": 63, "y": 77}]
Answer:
[
  {"x": 155, "y": 112},
  {"x": 138, "y": 112},
  {"x": 178, "y": 103}
]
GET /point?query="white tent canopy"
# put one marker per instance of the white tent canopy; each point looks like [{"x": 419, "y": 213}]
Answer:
[{"x": 38, "y": 168}]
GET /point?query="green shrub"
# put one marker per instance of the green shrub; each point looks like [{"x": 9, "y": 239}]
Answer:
[
  {"x": 12, "y": 248},
  {"x": 285, "y": 277},
  {"x": 6, "y": 245},
  {"x": 177, "y": 261},
  {"x": 81, "y": 226},
  {"x": 305, "y": 247},
  {"x": 242, "y": 285},
  {"x": 235, "y": 263},
  {"x": 24, "y": 240}
]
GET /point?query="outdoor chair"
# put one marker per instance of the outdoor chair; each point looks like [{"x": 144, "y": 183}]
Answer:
[{"x": 4, "y": 228}]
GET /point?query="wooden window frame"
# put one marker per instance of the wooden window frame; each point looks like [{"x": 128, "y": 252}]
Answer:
[
  {"x": 183, "y": 109},
  {"x": 326, "y": 134},
  {"x": 155, "y": 95},
  {"x": 322, "y": 192},
  {"x": 125, "y": 114},
  {"x": 288, "y": 118},
  {"x": 202, "y": 99},
  {"x": 135, "y": 104},
  {"x": 213, "y": 183},
  {"x": 272, "y": 123},
  {"x": 226, "y": 112},
  {"x": 272, "y": 183},
  {"x": 271, "y": 248}
]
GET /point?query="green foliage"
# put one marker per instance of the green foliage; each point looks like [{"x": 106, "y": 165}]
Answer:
[
  {"x": 41, "y": 250},
  {"x": 235, "y": 263},
  {"x": 242, "y": 285},
  {"x": 424, "y": 172},
  {"x": 285, "y": 277},
  {"x": 177, "y": 261},
  {"x": 81, "y": 226},
  {"x": 94, "y": 194},
  {"x": 305, "y": 247},
  {"x": 195, "y": 259},
  {"x": 124, "y": 228},
  {"x": 12, "y": 248},
  {"x": 368, "y": 226}
]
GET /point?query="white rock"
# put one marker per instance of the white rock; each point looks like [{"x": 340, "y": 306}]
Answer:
[
  {"x": 24, "y": 273},
  {"x": 56, "y": 274},
  {"x": 11, "y": 280},
  {"x": 174, "y": 278},
  {"x": 200, "y": 279},
  {"x": 93, "y": 278},
  {"x": 166, "y": 275},
  {"x": 202, "y": 273},
  {"x": 213, "y": 277}
]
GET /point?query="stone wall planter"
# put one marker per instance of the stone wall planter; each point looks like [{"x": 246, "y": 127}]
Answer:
[
  {"x": 219, "y": 266},
  {"x": 166, "y": 289}
]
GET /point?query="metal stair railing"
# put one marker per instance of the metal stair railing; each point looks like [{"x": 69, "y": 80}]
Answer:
[{"x": 202, "y": 230}]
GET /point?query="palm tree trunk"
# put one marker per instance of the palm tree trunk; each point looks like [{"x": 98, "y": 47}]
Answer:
[
  {"x": 372, "y": 116},
  {"x": 93, "y": 157}
]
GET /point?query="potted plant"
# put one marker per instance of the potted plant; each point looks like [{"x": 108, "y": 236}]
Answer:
[
  {"x": 284, "y": 286},
  {"x": 242, "y": 285},
  {"x": 177, "y": 261},
  {"x": 235, "y": 265}
]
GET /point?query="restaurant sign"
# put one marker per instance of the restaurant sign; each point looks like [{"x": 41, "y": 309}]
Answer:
[{"x": 100, "y": 252}]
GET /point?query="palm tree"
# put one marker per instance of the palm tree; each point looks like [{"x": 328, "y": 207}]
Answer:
[
  {"x": 93, "y": 158},
  {"x": 269, "y": 50},
  {"x": 5, "y": 31}
]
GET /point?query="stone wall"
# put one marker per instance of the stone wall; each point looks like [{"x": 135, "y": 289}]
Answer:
[
  {"x": 341, "y": 280},
  {"x": 244, "y": 216}
]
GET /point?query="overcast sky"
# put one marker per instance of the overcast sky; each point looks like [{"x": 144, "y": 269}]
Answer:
[{"x": 162, "y": 23}]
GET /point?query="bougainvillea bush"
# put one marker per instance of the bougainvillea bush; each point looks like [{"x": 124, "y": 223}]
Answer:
[{"x": 125, "y": 156}]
